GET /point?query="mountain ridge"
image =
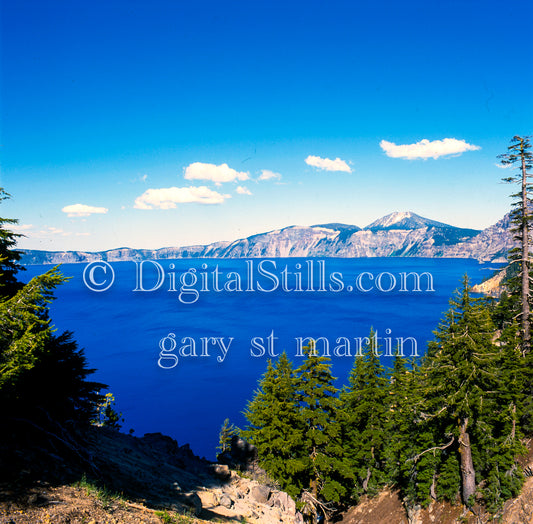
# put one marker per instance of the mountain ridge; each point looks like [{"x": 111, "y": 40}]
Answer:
[
  {"x": 399, "y": 234},
  {"x": 408, "y": 220}
]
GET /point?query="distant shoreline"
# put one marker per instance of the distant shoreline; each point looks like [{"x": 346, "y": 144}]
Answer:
[{"x": 420, "y": 238}]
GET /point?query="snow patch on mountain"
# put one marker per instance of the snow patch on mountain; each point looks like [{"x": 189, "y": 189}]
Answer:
[{"x": 391, "y": 219}]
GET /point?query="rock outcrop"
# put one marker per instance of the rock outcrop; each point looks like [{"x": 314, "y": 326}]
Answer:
[
  {"x": 492, "y": 286},
  {"x": 156, "y": 471}
]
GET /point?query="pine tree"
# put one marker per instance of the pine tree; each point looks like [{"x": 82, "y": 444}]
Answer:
[
  {"x": 519, "y": 155},
  {"x": 106, "y": 415},
  {"x": 402, "y": 432},
  {"x": 325, "y": 470},
  {"x": 25, "y": 331},
  {"x": 418, "y": 441},
  {"x": 275, "y": 426},
  {"x": 365, "y": 411},
  {"x": 470, "y": 405},
  {"x": 43, "y": 376},
  {"x": 40, "y": 371},
  {"x": 504, "y": 311},
  {"x": 227, "y": 431},
  {"x": 9, "y": 257}
]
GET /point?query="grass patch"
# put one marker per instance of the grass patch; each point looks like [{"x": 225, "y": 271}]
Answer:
[
  {"x": 103, "y": 495},
  {"x": 168, "y": 518}
]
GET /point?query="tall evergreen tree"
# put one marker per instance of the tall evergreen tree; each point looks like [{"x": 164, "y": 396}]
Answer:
[
  {"x": 406, "y": 433},
  {"x": 43, "y": 376},
  {"x": 519, "y": 155},
  {"x": 275, "y": 426},
  {"x": 469, "y": 403},
  {"x": 398, "y": 411},
  {"x": 364, "y": 406},
  {"x": 319, "y": 403},
  {"x": 418, "y": 438}
]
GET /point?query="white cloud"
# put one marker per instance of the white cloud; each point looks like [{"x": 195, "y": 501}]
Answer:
[
  {"x": 144, "y": 178},
  {"x": 81, "y": 210},
  {"x": 54, "y": 231},
  {"x": 426, "y": 149},
  {"x": 504, "y": 166},
  {"x": 328, "y": 164},
  {"x": 266, "y": 174},
  {"x": 83, "y": 234},
  {"x": 168, "y": 197},
  {"x": 19, "y": 227},
  {"x": 217, "y": 174},
  {"x": 243, "y": 190}
]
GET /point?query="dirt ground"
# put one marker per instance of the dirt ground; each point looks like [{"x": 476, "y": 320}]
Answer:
[{"x": 80, "y": 505}]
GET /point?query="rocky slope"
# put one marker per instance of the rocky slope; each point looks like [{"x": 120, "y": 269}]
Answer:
[
  {"x": 387, "y": 508},
  {"x": 493, "y": 286},
  {"x": 396, "y": 235},
  {"x": 492, "y": 244},
  {"x": 146, "y": 480},
  {"x": 151, "y": 480}
]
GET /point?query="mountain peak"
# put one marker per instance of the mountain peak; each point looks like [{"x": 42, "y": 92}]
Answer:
[
  {"x": 403, "y": 220},
  {"x": 394, "y": 218}
]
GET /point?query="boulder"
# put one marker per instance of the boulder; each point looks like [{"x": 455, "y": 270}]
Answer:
[
  {"x": 192, "y": 501},
  {"x": 220, "y": 471},
  {"x": 260, "y": 493},
  {"x": 283, "y": 501},
  {"x": 225, "y": 501},
  {"x": 209, "y": 498}
]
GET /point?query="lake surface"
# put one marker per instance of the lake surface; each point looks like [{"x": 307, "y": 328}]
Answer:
[{"x": 183, "y": 357}]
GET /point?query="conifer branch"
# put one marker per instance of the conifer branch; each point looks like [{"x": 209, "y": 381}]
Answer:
[
  {"x": 444, "y": 446},
  {"x": 311, "y": 504},
  {"x": 425, "y": 416}
]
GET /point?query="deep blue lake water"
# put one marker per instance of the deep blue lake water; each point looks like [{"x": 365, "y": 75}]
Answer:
[{"x": 229, "y": 312}]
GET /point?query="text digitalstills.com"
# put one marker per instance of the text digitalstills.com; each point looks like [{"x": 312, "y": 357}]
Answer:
[{"x": 259, "y": 276}]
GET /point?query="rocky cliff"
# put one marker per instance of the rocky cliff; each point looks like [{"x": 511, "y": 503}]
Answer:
[
  {"x": 396, "y": 235},
  {"x": 491, "y": 244}
]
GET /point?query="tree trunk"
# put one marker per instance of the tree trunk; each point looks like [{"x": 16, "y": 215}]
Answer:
[
  {"x": 365, "y": 482},
  {"x": 525, "y": 255},
  {"x": 314, "y": 488},
  {"x": 468, "y": 474},
  {"x": 433, "y": 488}
]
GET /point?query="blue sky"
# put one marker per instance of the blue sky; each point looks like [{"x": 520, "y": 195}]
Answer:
[{"x": 129, "y": 123}]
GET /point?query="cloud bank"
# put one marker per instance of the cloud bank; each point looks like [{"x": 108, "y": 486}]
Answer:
[
  {"x": 426, "y": 149},
  {"x": 266, "y": 174},
  {"x": 81, "y": 210},
  {"x": 217, "y": 174},
  {"x": 20, "y": 227},
  {"x": 53, "y": 231},
  {"x": 327, "y": 164},
  {"x": 168, "y": 197}
]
